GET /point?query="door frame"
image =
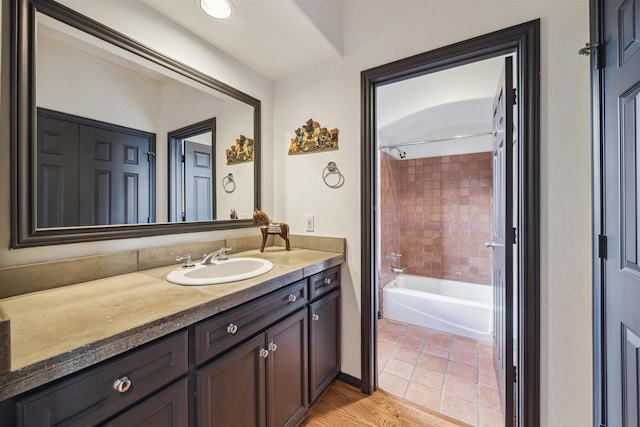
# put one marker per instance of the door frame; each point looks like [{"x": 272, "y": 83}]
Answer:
[{"x": 524, "y": 41}]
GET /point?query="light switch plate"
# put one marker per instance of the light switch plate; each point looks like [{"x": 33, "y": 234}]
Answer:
[{"x": 309, "y": 220}]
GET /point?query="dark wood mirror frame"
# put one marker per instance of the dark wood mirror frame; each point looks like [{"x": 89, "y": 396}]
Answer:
[{"x": 24, "y": 232}]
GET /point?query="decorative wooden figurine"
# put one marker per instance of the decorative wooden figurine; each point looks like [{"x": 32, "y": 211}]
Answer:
[{"x": 267, "y": 227}]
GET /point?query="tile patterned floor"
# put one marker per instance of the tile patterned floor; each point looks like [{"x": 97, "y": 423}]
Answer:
[{"x": 445, "y": 372}]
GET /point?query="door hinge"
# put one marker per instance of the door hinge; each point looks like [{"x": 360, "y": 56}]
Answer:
[
  {"x": 515, "y": 96},
  {"x": 515, "y": 374},
  {"x": 514, "y": 236},
  {"x": 602, "y": 246}
]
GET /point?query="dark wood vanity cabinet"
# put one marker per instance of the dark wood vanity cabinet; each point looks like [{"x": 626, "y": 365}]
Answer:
[
  {"x": 259, "y": 364},
  {"x": 271, "y": 379},
  {"x": 262, "y": 382},
  {"x": 94, "y": 395}
]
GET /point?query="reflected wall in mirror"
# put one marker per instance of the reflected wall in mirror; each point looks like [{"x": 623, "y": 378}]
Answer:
[{"x": 96, "y": 114}]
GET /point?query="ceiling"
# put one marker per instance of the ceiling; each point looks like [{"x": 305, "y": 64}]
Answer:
[{"x": 276, "y": 38}]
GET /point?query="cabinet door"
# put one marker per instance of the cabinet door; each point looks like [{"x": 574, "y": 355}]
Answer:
[
  {"x": 287, "y": 375},
  {"x": 324, "y": 343},
  {"x": 167, "y": 408},
  {"x": 231, "y": 388}
]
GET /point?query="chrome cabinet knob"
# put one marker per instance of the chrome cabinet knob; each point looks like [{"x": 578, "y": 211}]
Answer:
[
  {"x": 263, "y": 353},
  {"x": 327, "y": 281},
  {"x": 292, "y": 298},
  {"x": 314, "y": 316},
  {"x": 272, "y": 347},
  {"x": 122, "y": 384},
  {"x": 232, "y": 328}
]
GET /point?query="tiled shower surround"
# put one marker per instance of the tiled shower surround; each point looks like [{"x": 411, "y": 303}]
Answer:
[{"x": 437, "y": 212}]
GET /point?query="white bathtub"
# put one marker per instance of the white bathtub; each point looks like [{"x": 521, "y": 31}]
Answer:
[{"x": 456, "y": 307}]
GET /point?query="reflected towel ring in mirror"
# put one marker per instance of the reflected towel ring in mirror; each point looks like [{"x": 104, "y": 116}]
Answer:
[
  {"x": 332, "y": 169},
  {"x": 229, "y": 184}
]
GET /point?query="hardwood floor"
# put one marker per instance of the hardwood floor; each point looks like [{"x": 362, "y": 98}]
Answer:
[{"x": 343, "y": 405}]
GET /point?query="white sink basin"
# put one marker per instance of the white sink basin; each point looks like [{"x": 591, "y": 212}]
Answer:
[{"x": 230, "y": 270}]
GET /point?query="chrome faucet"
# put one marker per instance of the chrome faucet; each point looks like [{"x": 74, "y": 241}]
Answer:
[
  {"x": 187, "y": 261},
  {"x": 393, "y": 257},
  {"x": 220, "y": 254}
]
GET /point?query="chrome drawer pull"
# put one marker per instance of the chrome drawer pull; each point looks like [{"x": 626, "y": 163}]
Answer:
[
  {"x": 292, "y": 298},
  {"x": 327, "y": 281},
  {"x": 315, "y": 316},
  {"x": 232, "y": 328},
  {"x": 273, "y": 347},
  {"x": 263, "y": 353},
  {"x": 122, "y": 384}
]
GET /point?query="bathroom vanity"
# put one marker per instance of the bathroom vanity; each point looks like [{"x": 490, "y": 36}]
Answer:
[{"x": 257, "y": 352}]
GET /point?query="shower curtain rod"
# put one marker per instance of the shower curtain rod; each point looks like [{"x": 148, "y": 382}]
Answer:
[{"x": 427, "y": 141}]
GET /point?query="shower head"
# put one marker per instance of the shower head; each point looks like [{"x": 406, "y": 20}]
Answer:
[{"x": 401, "y": 153}]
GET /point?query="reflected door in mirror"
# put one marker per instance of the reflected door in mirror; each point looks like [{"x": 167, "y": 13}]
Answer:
[
  {"x": 198, "y": 186},
  {"x": 93, "y": 173}
]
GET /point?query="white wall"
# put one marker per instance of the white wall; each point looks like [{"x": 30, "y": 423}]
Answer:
[
  {"x": 146, "y": 26},
  {"x": 378, "y": 32}
]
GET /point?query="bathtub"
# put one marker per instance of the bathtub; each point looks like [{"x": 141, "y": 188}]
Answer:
[{"x": 456, "y": 307}]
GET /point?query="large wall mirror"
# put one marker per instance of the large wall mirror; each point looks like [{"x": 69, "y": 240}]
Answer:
[{"x": 112, "y": 139}]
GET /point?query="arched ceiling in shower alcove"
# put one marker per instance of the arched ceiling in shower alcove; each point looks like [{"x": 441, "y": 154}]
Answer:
[{"x": 439, "y": 106}]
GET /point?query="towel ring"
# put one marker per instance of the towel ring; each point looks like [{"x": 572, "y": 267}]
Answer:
[
  {"x": 229, "y": 184},
  {"x": 332, "y": 169}
]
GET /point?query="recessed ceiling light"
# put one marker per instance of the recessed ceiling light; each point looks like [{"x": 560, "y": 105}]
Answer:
[{"x": 220, "y": 9}]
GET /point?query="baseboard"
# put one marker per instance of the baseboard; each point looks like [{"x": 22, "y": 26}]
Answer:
[{"x": 351, "y": 380}]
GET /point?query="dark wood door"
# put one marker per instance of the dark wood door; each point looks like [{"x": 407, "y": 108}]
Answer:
[
  {"x": 93, "y": 173},
  {"x": 503, "y": 239},
  {"x": 198, "y": 182},
  {"x": 287, "y": 374},
  {"x": 231, "y": 389},
  {"x": 324, "y": 344},
  {"x": 619, "y": 319},
  {"x": 57, "y": 172},
  {"x": 115, "y": 171}
]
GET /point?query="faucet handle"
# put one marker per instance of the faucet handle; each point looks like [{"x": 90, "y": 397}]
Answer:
[{"x": 187, "y": 260}]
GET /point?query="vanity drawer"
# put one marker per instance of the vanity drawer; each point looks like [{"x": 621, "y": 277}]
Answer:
[
  {"x": 90, "y": 397},
  {"x": 228, "y": 329},
  {"x": 326, "y": 281}
]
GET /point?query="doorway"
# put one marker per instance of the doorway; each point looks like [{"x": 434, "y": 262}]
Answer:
[
  {"x": 436, "y": 203},
  {"x": 192, "y": 192},
  {"x": 523, "y": 42}
]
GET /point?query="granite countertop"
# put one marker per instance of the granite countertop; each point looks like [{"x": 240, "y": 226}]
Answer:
[{"x": 60, "y": 331}]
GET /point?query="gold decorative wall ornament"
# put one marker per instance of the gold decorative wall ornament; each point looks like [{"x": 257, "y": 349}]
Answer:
[
  {"x": 241, "y": 152},
  {"x": 310, "y": 137}
]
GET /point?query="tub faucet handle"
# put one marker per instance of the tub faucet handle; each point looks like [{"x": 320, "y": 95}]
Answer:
[{"x": 394, "y": 256}]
